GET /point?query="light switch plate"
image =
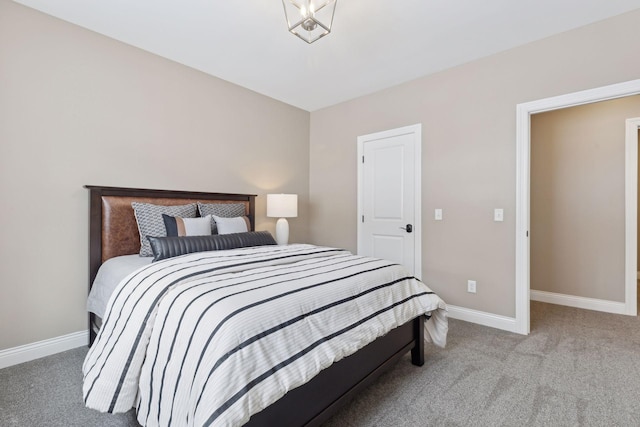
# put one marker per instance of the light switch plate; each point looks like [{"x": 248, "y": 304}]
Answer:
[
  {"x": 471, "y": 286},
  {"x": 438, "y": 215},
  {"x": 498, "y": 215}
]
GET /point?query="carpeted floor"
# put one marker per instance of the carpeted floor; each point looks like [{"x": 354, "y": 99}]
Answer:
[{"x": 576, "y": 368}]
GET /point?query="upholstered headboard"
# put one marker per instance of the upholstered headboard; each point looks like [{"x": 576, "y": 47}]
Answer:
[{"x": 113, "y": 230}]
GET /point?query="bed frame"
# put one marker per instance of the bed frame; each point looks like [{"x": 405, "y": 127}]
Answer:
[{"x": 113, "y": 231}]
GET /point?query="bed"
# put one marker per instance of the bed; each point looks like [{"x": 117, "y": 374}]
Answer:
[{"x": 309, "y": 401}]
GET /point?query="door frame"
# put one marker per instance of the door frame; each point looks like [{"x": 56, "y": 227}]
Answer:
[
  {"x": 523, "y": 179},
  {"x": 631, "y": 216},
  {"x": 416, "y": 130}
]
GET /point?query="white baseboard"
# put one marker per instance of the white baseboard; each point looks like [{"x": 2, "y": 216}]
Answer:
[
  {"x": 482, "y": 318},
  {"x": 36, "y": 350},
  {"x": 579, "y": 302},
  {"x": 28, "y": 352}
]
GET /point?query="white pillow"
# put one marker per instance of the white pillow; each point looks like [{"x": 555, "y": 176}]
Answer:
[
  {"x": 197, "y": 226},
  {"x": 176, "y": 226},
  {"x": 239, "y": 224}
]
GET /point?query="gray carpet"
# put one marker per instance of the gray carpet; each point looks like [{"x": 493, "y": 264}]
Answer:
[{"x": 577, "y": 367}]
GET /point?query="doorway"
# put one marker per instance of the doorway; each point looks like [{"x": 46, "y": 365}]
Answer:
[
  {"x": 389, "y": 196},
  {"x": 523, "y": 144},
  {"x": 577, "y": 212}
]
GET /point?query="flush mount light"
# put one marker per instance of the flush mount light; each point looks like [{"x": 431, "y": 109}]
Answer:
[{"x": 309, "y": 19}]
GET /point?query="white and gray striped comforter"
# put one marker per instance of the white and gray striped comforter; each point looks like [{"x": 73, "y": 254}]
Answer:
[{"x": 212, "y": 338}]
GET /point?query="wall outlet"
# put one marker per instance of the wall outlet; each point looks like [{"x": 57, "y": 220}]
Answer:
[{"x": 471, "y": 286}]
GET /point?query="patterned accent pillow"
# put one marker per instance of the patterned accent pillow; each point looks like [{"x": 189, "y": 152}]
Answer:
[
  {"x": 239, "y": 224},
  {"x": 150, "y": 223},
  {"x": 177, "y": 226},
  {"x": 224, "y": 210}
]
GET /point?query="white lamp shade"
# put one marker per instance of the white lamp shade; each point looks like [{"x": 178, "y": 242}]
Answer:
[{"x": 282, "y": 205}]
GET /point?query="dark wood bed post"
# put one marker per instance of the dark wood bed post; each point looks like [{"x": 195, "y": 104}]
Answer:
[
  {"x": 417, "y": 352},
  {"x": 95, "y": 246}
]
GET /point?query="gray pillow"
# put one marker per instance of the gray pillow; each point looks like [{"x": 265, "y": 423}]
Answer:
[
  {"x": 150, "y": 222},
  {"x": 171, "y": 246},
  {"x": 225, "y": 210}
]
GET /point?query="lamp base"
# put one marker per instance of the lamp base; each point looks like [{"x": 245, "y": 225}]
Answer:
[{"x": 282, "y": 231}]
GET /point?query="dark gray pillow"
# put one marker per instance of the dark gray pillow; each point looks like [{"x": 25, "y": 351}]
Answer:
[{"x": 168, "y": 247}]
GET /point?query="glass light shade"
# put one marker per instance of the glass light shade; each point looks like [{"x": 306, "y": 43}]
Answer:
[
  {"x": 282, "y": 205},
  {"x": 309, "y": 19}
]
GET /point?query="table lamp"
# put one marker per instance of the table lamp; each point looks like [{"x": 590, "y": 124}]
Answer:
[{"x": 282, "y": 206}]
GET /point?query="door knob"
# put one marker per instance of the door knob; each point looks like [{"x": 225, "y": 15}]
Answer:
[{"x": 408, "y": 228}]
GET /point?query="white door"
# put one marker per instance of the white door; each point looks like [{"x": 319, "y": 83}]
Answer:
[{"x": 389, "y": 223}]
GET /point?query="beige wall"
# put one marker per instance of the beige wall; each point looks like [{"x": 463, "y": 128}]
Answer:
[
  {"x": 469, "y": 164},
  {"x": 78, "y": 108},
  {"x": 577, "y": 199}
]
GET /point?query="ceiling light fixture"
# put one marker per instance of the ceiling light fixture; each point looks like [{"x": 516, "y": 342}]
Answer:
[{"x": 309, "y": 19}]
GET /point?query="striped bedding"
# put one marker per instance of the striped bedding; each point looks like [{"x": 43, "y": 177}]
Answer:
[{"x": 212, "y": 338}]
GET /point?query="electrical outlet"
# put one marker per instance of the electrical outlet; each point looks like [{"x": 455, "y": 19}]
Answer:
[{"x": 471, "y": 286}]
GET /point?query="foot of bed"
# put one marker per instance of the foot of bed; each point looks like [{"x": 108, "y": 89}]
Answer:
[{"x": 417, "y": 352}]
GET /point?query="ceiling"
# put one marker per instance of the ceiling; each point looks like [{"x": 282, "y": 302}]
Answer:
[{"x": 374, "y": 44}]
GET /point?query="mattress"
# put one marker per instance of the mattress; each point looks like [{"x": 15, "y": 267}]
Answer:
[{"x": 109, "y": 275}]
